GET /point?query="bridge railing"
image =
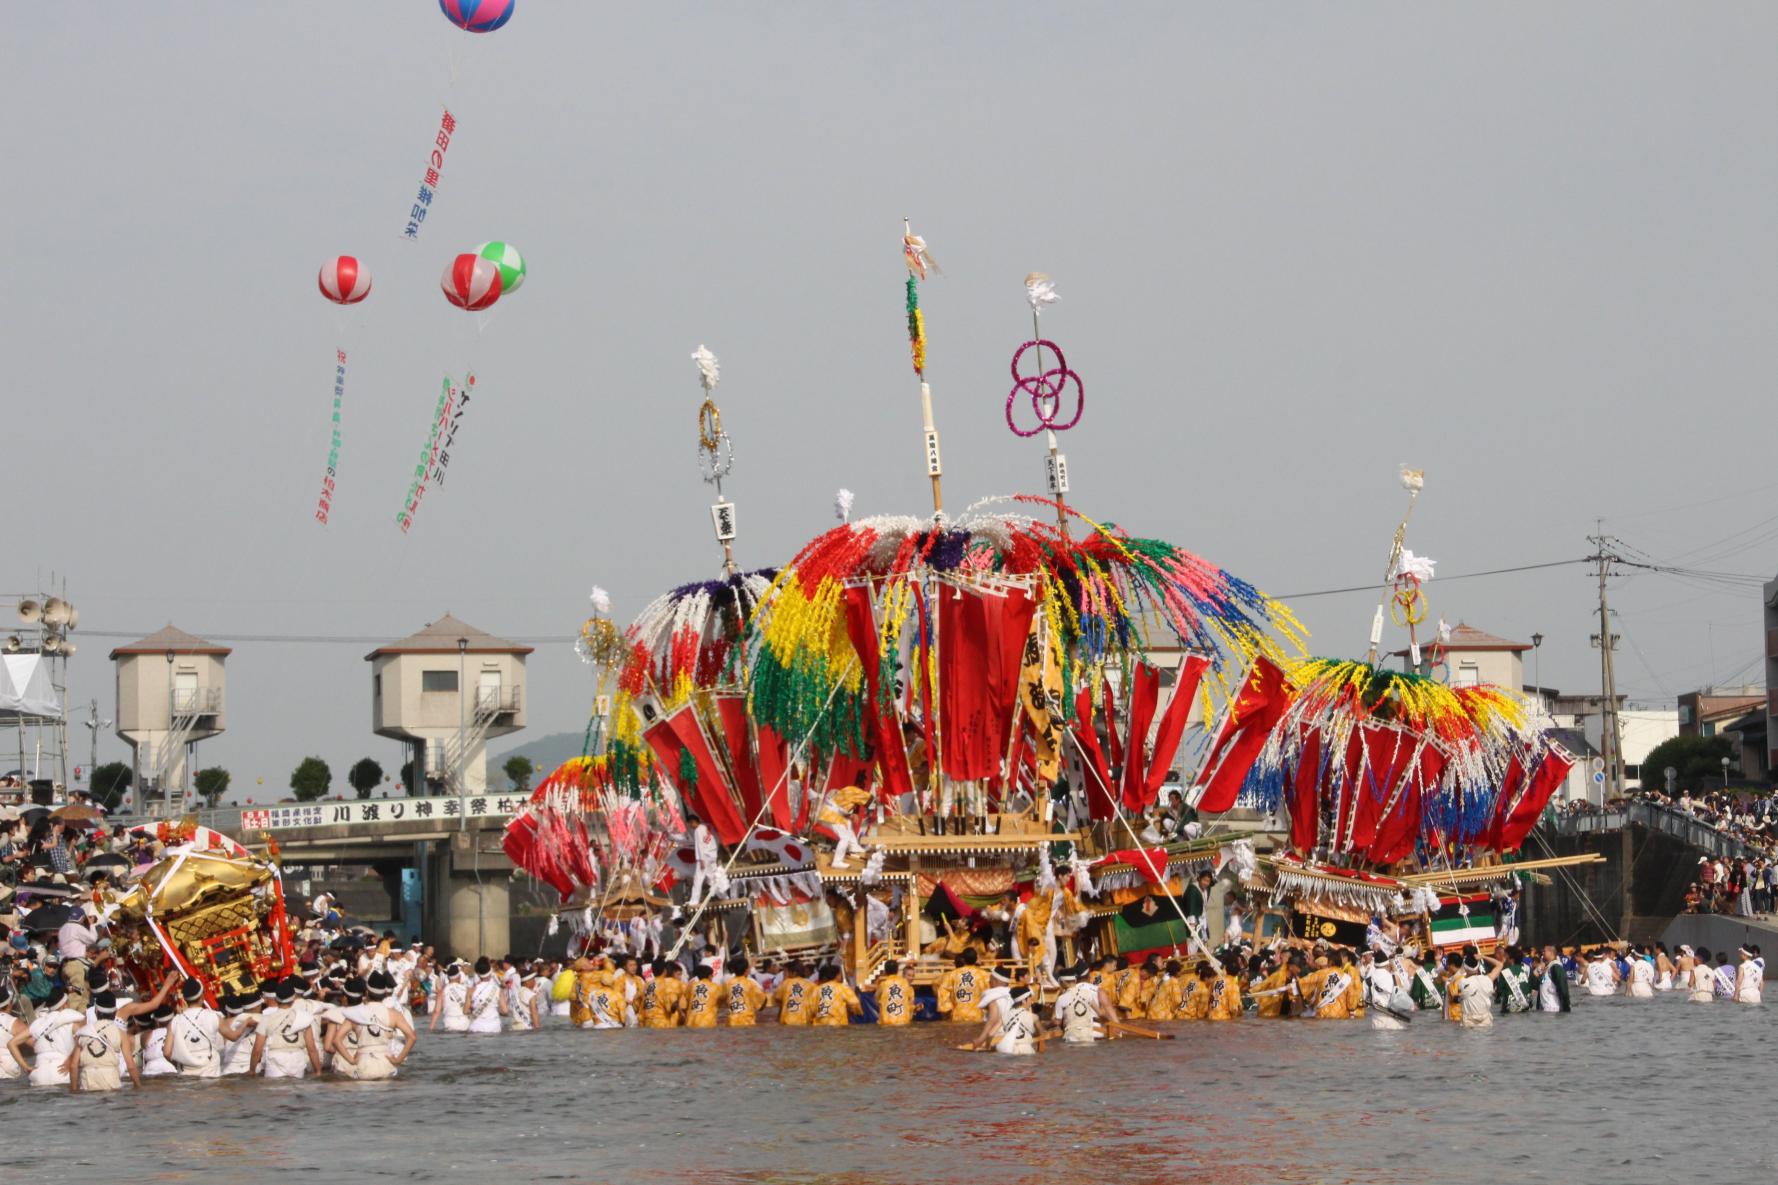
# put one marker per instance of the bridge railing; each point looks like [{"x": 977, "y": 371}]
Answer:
[{"x": 1678, "y": 824}]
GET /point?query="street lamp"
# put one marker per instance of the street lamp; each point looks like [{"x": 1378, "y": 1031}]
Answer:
[
  {"x": 1537, "y": 669},
  {"x": 166, "y": 797},
  {"x": 93, "y": 724},
  {"x": 462, "y": 650},
  {"x": 1725, "y": 775}
]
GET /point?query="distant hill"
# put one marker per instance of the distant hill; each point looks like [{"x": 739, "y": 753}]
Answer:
[{"x": 545, "y": 752}]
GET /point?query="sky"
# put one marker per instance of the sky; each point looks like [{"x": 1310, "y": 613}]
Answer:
[{"x": 1528, "y": 248}]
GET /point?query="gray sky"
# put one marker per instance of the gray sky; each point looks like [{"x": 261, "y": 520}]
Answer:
[{"x": 1530, "y": 248}]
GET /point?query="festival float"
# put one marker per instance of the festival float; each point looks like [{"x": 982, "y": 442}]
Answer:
[
  {"x": 1404, "y": 796},
  {"x": 988, "y": 700},
  {"x": 933, "y": 732},
  {"x": 206, "y": 907},
  {"x": 670, "y": 735}
]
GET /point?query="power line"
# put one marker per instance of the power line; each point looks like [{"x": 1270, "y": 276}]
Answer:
[
  {"x": 1329, "y": 592},
  {"x": 1707, "y": 581},
  {"x": 343, "y": 639}
]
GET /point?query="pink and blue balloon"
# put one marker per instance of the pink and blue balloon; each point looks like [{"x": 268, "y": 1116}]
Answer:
[{"x": 477, "y": 16}]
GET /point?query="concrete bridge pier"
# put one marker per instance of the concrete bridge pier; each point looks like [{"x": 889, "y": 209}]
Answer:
[{"x": 468, "y": 893}]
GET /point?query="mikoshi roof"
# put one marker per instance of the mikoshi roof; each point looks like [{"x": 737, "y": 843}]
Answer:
[
  {"x": 687, "y": 637},
  {"x": 443, "y": 636},
  {"x": 171, "y": 637},
  {"x": 1106, "y": 595},
  {"x": 1361, "y": 742}
]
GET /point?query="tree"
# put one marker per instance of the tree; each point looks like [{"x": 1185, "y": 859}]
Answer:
[
  {"x": 311, "y": 779},
  {"x": 1698, "y": 760},
  {"x": 364, "y": 776},
  {"x": 212, "y": 784},
  {"x": 518, "y": 771},
  {"x": 407, "y": 778},
  {"x": 109, "y": 783}
]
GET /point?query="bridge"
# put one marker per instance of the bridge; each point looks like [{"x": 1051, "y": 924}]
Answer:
[
  {"x": 1691, "y": 831},
  {"x": 441, "y": 871}
]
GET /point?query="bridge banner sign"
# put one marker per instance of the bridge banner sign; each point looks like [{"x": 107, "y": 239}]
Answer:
[{"x": 381, "y": 810}]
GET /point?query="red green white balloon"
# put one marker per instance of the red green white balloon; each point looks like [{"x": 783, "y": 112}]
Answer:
[{"x": 507, "y": 258}]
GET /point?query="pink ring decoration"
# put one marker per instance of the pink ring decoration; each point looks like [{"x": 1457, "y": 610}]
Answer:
[{"x": 1046, "y": 391}]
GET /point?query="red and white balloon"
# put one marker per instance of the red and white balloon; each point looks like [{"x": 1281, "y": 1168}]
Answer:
[
  {"x": 471, "y": 282},
  {"x": 345, "y": 280}
]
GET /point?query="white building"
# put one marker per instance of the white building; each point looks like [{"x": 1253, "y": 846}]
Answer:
[
  {"x": 169, "y": 697},
  {"x": 1475, "y": 656},
  {"x": 418, "y": 688}
]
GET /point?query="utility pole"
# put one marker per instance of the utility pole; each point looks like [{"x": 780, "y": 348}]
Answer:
[
  {"x": 1610, "y": 734},
  {"x": 1610, "y": 738}
]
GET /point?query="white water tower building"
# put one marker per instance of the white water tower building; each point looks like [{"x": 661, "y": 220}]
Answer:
[
  {"x": 169, "y": 697},
  {"x": 445, "y": 691}
]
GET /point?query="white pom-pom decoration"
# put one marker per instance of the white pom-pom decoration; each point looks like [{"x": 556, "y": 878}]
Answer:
[
  {"x": 601, "y": 601},
  {"x": 842, "y": 504},
  {"x": 709, "y": 374},
  {"x": 1040, "y": 290},
  {"x": 1418, "y": 566}
]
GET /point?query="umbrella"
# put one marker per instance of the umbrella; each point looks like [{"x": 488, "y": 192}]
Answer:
[
  {"x": 33, "y": 813},
  {"x": 47, "y": 891},
  {"x": 48, "y": 917},
  {"x": 77, "y": 812},
  {"x": 347, "y": 942},
  {"x": 113, "y": 862}
]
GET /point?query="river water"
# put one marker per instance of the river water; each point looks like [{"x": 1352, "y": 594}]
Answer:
[{"x": 1620, "y": 1090}]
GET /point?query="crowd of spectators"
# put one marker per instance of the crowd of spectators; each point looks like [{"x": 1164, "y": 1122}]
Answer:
[
  {"x": 49, "y": 869},
  {"x": 1745, "y": 885}
]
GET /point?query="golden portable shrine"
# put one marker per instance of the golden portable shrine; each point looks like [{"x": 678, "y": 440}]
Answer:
[{"x": 206, "y": 907}]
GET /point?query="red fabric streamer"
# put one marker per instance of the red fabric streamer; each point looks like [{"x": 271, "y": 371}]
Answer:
[
  {"x": 1150, "y": 862},
  {"x": 1172, "y": 728},
  {"x": 1302, "y": 796},
  {"x": 982, "y": 646},
  {"x": 1113, "y": 738},
  {"x": 885, "y": 729},
  {"x": 774, "y": 764},
  {"x": 1400, "y": 824},
  {"x": 711, "y": 797},
  {"x": 1100, "y": 804},
  {"x": 522, "y": 846},
  {"x": 1387, "y": 752},
  {"x": 731, "y": 711},
  {"x": 1145, "y": 694},
  {"x": 1512, "y": 787},
  {"x": 1551, "y": 773},
  {"x": 1242, "y": 735}
]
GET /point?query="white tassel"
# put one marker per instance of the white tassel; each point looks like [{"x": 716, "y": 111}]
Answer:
[
  {"x": 1046, "y": 873},
  {"x": 842, "y": 504},
  {"x": 1418, "y": 566},
  {"x": 709, "y": 373},
  {"x": 555, "y": 923},
  {"x": 873, "y": 867},
  {"x": 601, "y": 601},
  {"x": 1083, "y": 879},
  {"x": 1240, "y": 856}
]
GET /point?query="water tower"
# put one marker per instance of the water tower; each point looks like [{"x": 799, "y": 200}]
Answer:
[
  {"x": 445, "y": 691},
  {"x": 169, "y": 697}
]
